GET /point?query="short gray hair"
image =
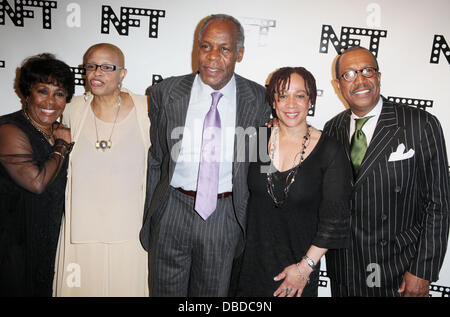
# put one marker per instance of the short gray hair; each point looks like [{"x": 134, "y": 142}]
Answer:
[{"x": 224, "y": 17}]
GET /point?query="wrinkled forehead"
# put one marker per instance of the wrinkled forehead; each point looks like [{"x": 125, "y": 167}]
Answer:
[
  {"x": 357, "y": 59},
  {"x": 220, "y": 29}
]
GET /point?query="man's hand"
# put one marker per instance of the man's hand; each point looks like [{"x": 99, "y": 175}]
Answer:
[{"x": 413, "y": 286}]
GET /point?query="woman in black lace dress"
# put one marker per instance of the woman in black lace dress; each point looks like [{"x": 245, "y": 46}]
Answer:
[
  {"x": 299, "y": 196},
  {"x": 33, "y": 162}
]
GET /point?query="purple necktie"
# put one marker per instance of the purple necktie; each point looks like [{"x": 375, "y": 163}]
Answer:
[{"x": 208, "y": 172}]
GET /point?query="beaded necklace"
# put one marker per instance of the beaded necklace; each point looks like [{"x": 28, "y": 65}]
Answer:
[
  {"x": 290, "y": 178},
  {"x": 47, "y": 137}
]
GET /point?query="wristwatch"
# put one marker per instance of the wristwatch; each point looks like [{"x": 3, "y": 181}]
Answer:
[{"x": 310, "y": 262}]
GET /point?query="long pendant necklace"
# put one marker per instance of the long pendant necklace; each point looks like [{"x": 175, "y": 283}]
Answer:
[
  {"x": 47, "y": 137},
  {"x": 290, "y": 178},
  {"x": 106, "y": 144}
]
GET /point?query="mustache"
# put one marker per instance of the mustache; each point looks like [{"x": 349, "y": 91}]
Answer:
[{"x": 360, "y": 87}]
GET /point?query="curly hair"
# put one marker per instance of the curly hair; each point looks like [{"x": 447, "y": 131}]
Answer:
[
  {"x": 45, "y": 68},
  {"x": 281, "y": 78}
]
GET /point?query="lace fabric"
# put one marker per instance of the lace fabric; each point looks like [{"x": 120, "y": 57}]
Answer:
[
  {"x": 21, "y": 161},
  {"x": 32, "y": 187}
]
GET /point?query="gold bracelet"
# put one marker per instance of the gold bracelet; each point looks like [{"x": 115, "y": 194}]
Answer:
[{"x": 301, "y": 274}]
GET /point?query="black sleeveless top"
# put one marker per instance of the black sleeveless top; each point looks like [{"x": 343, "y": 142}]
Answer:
[{"x": 29, "y": 222}]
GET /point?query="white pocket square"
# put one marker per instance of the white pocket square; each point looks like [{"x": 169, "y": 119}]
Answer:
[{"x": 400, "y": 154}]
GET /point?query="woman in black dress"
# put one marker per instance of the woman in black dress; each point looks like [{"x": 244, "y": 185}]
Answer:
[
  {"x": 299, "y": 196},
  {"x": 33, "y": 162}
]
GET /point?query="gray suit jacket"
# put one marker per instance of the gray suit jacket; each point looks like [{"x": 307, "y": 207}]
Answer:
[
  {"x": 399, "y": 207},
  {"x": 169, "y": 101}
]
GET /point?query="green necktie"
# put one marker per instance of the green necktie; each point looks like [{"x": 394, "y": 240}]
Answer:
[{"x": 359, "y": 144}]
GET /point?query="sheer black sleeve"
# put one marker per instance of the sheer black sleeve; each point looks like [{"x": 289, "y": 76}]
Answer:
[
  {"x": 334, "y": 213},
  {"x": 16, "y": 156}
]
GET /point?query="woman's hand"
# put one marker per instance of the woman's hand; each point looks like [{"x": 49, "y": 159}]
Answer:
[
  {"x": 293, "y": 283},
  {"x": 60, "y": 131}
]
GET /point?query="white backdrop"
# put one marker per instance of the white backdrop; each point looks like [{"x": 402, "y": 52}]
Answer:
[{"x": 409, "y": 38}]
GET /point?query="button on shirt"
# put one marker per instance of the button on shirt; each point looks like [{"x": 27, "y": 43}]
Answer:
[
  {"x": 369, "y": 127},
  {"x": 186, "y": 170}
]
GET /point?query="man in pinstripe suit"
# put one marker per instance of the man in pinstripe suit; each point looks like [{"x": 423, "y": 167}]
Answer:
[
  {"x": 190, "y": 255},
  {"x": 400, "y": 207}
]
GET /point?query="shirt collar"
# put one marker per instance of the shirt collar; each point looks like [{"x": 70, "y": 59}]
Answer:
[
  {"x": 205, "y": 90},
  {"x": 375, "y": 112}
]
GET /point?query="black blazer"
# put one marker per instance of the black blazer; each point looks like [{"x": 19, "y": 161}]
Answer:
[
  {"x": 399, "y": 207},
  {"x": 169, "y": 101}
]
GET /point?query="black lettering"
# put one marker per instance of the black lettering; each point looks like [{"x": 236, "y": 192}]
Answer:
[
  {"x": 346, "y": 40},
  {"x": 18, "y": 14},
  {"x": 419, "y": 103},
  {"x": 439, "y": 45},
  {"x": 122, "y": 25}
]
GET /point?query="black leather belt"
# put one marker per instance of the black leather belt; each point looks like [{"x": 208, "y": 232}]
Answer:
[{"x": 193, "y": 193}]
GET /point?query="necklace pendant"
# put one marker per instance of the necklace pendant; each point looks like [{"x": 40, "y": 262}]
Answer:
[{"x": 103, "y": 145}]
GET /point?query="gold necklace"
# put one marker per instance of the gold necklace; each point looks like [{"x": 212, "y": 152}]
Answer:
[
  {"x": 106, "y": 144},
  {"x": 290, "y": 178},
  {"x": 47, "y": 137}
]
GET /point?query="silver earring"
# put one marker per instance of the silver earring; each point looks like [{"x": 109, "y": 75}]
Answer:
[{"x": 119, "y": 85}]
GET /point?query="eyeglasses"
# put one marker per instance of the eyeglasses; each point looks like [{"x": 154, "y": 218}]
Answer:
[
  {"x": 103, "y": 67},
  {"x": 367, "y": 72}
]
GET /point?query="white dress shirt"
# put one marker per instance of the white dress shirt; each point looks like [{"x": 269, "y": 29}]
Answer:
[
  {"x": 369, "y": 127},
  {"x": 186, "y": 170}
]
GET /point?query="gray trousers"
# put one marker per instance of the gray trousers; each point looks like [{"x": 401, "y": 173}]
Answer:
[{"x": 188, "y": 255}]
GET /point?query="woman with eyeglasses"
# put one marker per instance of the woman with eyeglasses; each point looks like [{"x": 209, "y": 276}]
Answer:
[
  {"x": 299, "y": 196},
  {"x": 34, "y": 150},
  {"x": 100, "y": 253}
]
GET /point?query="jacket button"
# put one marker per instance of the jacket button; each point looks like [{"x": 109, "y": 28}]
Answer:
[
  {"x": 397, "y": 189},
  {"x": 383, "y": 243},
  {"x": 384, "y": 217}
]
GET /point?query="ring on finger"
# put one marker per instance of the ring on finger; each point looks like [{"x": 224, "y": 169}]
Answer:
[{"x": 288, "y": 291}]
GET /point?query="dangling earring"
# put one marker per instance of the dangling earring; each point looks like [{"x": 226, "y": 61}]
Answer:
[{"x": 119, "y": 85}]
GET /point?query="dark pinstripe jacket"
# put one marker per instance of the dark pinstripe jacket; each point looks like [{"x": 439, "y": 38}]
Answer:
[
  {"x": 399, "y": 207},
  {"x": 169, "y": 101}
]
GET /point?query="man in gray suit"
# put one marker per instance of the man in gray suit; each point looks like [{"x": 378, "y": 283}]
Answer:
[
  {"x": 195, "y": 209},
  {"x": 400, "y": 207}
]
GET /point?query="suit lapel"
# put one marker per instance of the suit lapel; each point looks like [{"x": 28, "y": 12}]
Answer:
[
  {"x": 245, "y": 116},
  {"x": 386, "y": 129},
  {"x": 343, "y": 132},
  {"x": 176, "y": 112}
]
